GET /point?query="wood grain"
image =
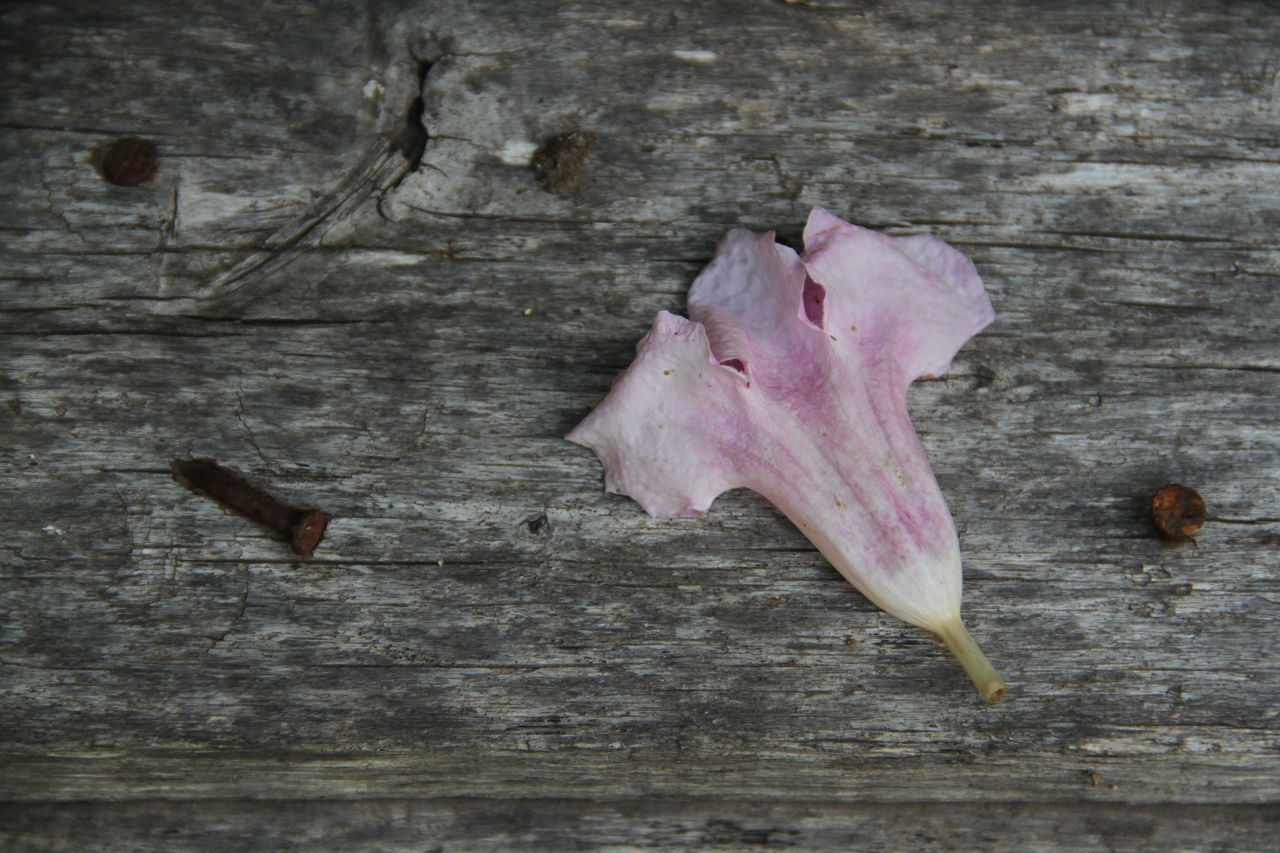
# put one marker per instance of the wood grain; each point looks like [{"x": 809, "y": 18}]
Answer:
[
  {"x": 400, "y": 331},
  {"x": 390, "y": 826}
]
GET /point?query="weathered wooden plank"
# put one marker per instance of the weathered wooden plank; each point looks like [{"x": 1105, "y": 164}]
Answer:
[
  {"x": 558, "y": 825},
  {"x": 406, "y": 348}
]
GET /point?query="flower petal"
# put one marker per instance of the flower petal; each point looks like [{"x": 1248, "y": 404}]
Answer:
[
  {"x": 750, "y": 298},
  {"x": 670, "y": 429},
  {"x": 804, "y": 401},
  {"x": 910, "y": 302}
]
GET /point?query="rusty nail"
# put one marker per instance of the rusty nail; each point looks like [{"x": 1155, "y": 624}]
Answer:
[
  {"x": 127, "y": 162},
  {"x": 1177, "y": 511},
  {"x": 304, "y": 528}
]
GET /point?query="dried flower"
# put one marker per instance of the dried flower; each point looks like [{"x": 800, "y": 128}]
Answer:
[{"x": 791, "y": 379}]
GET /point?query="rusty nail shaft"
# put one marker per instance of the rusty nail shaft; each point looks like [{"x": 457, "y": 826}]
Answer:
[{"x": 304, "y": 528}]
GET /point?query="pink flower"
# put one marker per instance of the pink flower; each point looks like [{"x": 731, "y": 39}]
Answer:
[{"x": 791, "y": 379}]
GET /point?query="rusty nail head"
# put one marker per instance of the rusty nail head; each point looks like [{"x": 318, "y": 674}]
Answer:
[
  {"x": 304, "y": 528},
  {"x": 1177, "y": 511},
  {"x": 127, "y": 162}
]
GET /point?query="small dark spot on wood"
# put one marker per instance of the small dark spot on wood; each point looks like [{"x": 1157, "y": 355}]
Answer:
[
  {"x": 538, "y": 524},
  {"x": 559, "y": 163},
  {"x": 983, "y": 377},
  {"x": 127, "y": 162},
  {"x": 729, "y": 832}
]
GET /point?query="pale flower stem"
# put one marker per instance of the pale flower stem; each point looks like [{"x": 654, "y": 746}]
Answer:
[{"x": 984, "y": 675}]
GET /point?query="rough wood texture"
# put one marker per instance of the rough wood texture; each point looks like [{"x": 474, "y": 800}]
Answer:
[
  {"x": 460, "y": 825},
  {"x": 399, "y": 328}
]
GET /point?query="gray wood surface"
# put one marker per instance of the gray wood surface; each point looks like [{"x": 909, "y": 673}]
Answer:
[
  {"x": 487, "y": 652},
  {"x": 465, "y": 824}
]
